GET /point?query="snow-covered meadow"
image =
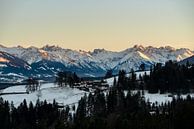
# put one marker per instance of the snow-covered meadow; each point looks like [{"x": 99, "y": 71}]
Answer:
[
  {"x": 68, "y": 96},
  {"x": 48, "y": 92},
  {"x": 160, "y": 98}
]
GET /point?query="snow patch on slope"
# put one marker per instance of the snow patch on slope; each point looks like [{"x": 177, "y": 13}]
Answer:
[{"x": 48, "y": 92}]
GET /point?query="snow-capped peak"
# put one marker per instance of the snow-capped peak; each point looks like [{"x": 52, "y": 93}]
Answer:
[
  {"x": 51, "y": 48},
  {"x": 168, "y": 48},
  {"x": 139, "y": 47},
  {"x": 96, "y": 62},
  {"x": 96, "y": 51},
  {"x": 1, "y": 46}
]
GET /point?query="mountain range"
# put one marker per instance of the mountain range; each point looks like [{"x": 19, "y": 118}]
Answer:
[{"x": 18, "y": 63}]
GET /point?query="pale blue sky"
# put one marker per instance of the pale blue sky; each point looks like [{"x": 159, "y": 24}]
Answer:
[{"x": 89, "y": 24}]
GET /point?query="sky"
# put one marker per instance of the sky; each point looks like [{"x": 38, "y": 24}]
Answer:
[{"x": 88, "y": 24}]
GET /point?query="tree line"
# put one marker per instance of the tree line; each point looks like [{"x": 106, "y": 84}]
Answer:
[
  {"x": 67, "y": 78},
  {"x": 170, "y": 77}
]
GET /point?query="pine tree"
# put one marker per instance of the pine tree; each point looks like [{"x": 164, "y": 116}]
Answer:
[{"x": 114, "y": 82}]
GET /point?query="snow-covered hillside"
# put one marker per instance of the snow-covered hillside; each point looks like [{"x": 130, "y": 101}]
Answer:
[
  {"x": 12, "y": 68},
  {"x": 48, "y": 60},
  {"x": 48, "y": 92},
  {"x": 68, "y": 96},
  {"x": 110, "y": 81}
]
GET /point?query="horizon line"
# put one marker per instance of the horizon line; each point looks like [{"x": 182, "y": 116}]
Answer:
[{"x": 132, "y": 46}]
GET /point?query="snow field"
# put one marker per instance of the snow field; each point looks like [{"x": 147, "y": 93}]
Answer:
[{"x": 48, "y": 92}]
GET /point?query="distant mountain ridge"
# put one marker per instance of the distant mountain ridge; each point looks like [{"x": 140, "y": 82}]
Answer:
[
  {"x": 48, "y": 60},
  {"x": 189, "y": 60}
]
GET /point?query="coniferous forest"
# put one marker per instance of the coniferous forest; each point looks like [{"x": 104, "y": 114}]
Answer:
[
  {"x": 99, "y": 111},
  {"x": 118, "y": 108},
  {"x": 171, "y": 77}
]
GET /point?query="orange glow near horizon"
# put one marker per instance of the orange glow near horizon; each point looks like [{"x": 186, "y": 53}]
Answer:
[{"x": 89, "y": 24}]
